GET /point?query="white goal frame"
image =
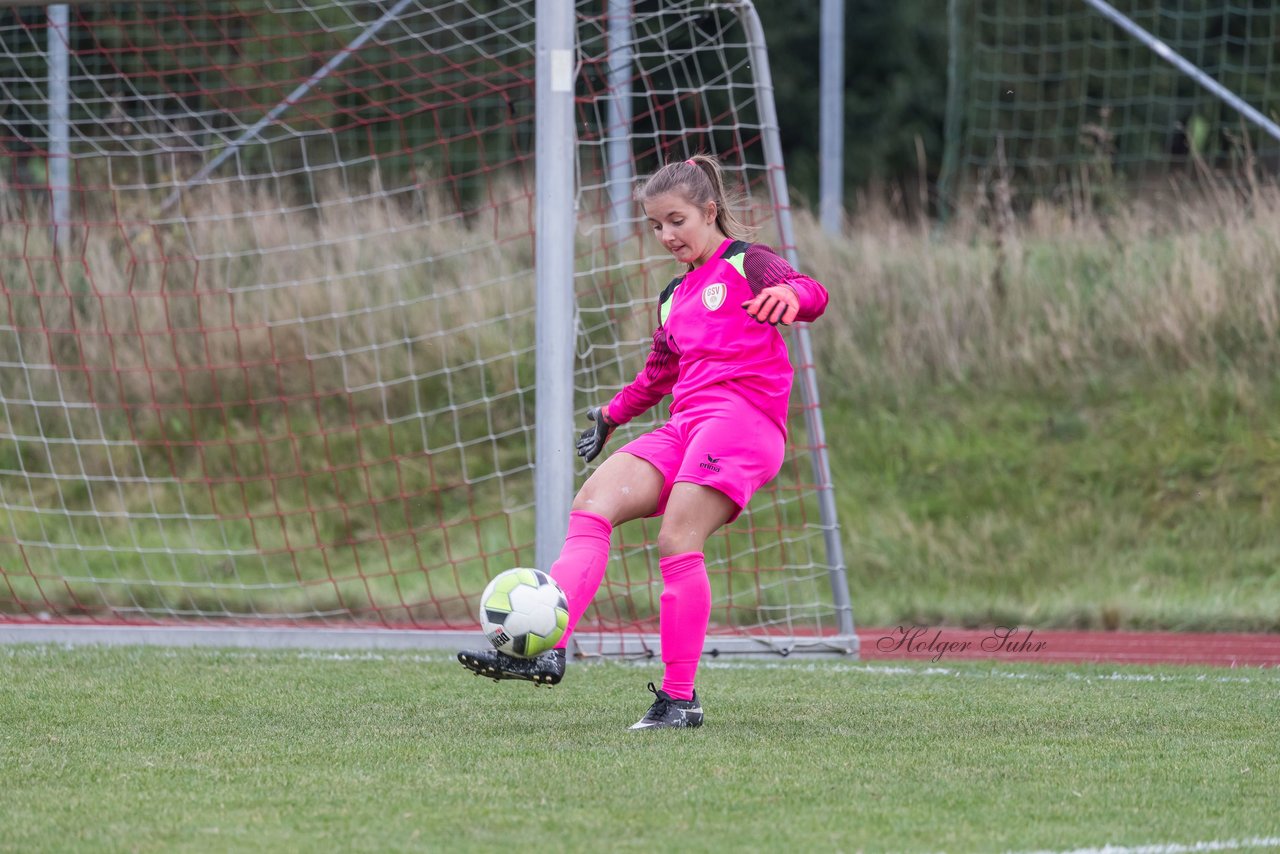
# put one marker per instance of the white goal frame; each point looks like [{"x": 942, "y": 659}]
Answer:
[{"x": 557, "y": 168}]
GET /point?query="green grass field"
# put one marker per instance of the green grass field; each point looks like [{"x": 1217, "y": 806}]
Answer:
[
  {"x": 1138, "y": 503},
  {"x": 164, "y": 750}
]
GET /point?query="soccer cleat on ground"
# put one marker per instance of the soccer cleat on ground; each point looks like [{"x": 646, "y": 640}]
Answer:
[
  {"x": 546, "y": 669},
  {"x": 667, "y": 712}
]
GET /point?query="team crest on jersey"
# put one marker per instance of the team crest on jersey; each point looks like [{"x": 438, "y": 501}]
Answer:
[{"x": 713, "y": 296}]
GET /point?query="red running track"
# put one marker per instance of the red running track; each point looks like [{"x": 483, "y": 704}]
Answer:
[{"x": 941, "y": 644}]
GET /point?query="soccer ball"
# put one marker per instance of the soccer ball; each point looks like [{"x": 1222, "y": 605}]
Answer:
[{"x": 523, "y": 612}]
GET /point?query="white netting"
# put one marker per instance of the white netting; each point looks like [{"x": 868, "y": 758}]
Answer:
[{"x": 282, "y": 368}]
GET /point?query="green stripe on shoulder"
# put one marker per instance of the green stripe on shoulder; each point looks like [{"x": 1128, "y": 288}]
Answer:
[
  {"x": 664, "y": 301},
  {"x": 736, "y": 255}
]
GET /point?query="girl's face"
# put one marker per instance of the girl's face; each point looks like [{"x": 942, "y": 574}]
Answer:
[{"x": 686, "y": 231}]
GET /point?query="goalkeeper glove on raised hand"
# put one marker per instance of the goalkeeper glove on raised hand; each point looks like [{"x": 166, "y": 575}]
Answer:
[
  {"x": 592, "y": 440},
  {"x": 775, "y": 304}
]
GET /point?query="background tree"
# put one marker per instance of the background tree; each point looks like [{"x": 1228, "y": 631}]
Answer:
[{"x": 895, "y": 73}]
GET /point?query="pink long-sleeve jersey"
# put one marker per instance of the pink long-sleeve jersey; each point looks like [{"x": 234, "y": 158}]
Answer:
[{"x": 705, "y": 338}]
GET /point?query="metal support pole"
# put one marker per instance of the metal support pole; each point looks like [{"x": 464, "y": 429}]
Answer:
[
  {"x": 952, "y": 120},
  {"x": 556, "y": 216},
  {"x": 831, "y": 117},
  {"x": 59, "y": 171},
  {"x": 807, "y": 374},
  {"x": 618, "y": 148},
  {"x": 1188, "y": 68}
]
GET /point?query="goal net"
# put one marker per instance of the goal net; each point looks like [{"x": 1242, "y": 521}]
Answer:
[
  {"x": 1069, "y": 105},
  {"x": 268, "y": 338}
]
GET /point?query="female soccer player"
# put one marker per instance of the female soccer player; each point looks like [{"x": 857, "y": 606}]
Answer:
[{"x": 718, "y": 352}]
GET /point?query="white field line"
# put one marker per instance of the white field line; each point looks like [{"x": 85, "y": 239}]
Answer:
[
  {"x": 1176, "y": 847},
  {"x": 1058, "y": 673}
]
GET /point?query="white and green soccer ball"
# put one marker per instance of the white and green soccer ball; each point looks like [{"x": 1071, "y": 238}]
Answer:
[{"x": 523, "y": 612}]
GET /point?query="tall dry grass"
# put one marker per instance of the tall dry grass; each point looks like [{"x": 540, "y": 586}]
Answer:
[
  {"x": 256, "y": 295},
  {"x": 1191, "y": 282}
]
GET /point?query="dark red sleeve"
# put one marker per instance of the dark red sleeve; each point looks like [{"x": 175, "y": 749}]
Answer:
[
  {"x": 654, "y": 382},
  {"x": 764, "y": 268}
]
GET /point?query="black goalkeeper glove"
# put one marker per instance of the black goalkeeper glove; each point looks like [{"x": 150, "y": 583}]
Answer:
[{"x": 592, "y": 440}]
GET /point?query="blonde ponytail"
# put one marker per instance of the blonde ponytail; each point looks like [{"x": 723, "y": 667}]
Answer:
[{"x": 700, "y": 180}]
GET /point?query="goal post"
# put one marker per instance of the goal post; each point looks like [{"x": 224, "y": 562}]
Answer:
[
  {"x": 276, "y": 370},
  {"x": 554, "y": 185}
]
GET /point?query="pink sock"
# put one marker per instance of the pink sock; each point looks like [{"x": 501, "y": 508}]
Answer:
[
  {"x": 684, "y": 609},
  {"x": 580, "y": 567}
]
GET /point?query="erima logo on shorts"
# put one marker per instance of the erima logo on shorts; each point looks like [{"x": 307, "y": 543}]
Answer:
[
  {"x": 713, "y": 296},
  {"x": 710, "y": 464}
]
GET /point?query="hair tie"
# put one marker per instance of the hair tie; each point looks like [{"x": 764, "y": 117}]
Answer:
[{"x": 690, "y": 162}]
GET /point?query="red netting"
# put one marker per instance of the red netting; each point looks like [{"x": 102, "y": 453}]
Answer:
[{"x": 269, "y": 355}]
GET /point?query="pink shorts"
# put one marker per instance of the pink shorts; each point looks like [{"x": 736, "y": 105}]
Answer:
[{"x": 719, "y": 440}]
